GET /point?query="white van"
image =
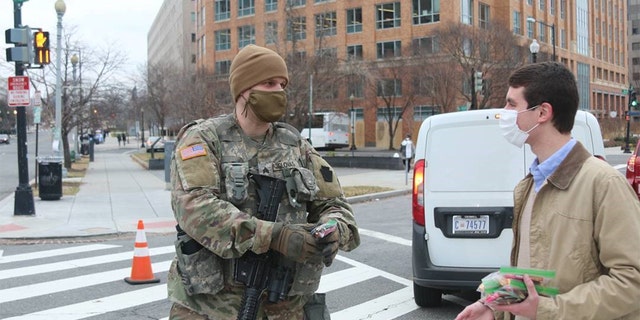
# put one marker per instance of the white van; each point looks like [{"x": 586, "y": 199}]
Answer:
[{"x": 464, "y": 176}]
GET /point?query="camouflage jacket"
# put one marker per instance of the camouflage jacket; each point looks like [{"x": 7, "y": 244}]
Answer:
[{"x": 214, "y": 202}]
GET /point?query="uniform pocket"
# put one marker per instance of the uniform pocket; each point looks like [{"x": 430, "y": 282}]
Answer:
[
  {"x": 236, "y": 181},
  {"x": 200, "y": 272}
]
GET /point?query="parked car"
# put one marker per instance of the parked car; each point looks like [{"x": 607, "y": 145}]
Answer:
[
  {"x": 158, "y": 147},
  {"x": 4, "y": 138},
  {"x": 462, "y": 206},
  {"x": 633, "y": 170}
]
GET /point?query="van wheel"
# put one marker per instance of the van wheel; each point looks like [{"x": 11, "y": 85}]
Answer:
[{"x": 427, "y": 297}]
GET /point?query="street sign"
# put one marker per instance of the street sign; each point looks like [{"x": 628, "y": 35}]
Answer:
[{"x": 19, "y": 91}]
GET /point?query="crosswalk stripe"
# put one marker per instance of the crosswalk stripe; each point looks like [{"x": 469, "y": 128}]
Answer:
[
  {"x": 343, "y": 278},
  {"x": 384, "y": 236},
  {"x": 72, "y": 264},
  {"x": 43, "y": 288},
  {"x": 100, "y": 306},
  {"x": 385, "y": 307},
  {"x": 55, "y": 252},
  {"x": 382, "y": 273}
]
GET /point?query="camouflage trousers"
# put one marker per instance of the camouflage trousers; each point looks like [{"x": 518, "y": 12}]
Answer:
[{"x": 291, "y": 309}]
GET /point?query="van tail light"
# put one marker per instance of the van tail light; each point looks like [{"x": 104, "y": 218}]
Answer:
[
  {"x": 418, "y": 192},
  {"x": 631, "y": 164}
]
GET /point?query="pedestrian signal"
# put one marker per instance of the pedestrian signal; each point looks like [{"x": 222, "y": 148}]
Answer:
[{"x": 41, "y": 45}]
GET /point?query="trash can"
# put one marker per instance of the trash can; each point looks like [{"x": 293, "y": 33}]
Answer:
[{"x": 50, "y": 179}]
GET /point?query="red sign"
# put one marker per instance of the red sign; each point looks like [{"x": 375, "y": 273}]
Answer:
[{"x": 19, "y": 91}]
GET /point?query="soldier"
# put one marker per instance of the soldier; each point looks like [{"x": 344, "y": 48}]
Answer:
[{"x": 214, "y": 201}]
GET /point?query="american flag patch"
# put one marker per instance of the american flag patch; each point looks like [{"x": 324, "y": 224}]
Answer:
[{"x": 192, "y": 152}]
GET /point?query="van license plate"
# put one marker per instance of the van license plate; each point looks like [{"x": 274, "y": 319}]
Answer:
[{"x": 471, "y": 224}]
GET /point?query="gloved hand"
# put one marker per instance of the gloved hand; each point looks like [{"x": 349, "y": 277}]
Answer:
[
  {"x": 329, "y": 246},
  {"x": 295, "y": 241}
]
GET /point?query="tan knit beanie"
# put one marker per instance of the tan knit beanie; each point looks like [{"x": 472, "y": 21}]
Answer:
[{"x": 252, "y": 65}]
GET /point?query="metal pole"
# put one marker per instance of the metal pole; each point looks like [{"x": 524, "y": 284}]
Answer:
[
  {"x": 534, "y": 57},
  {"x": 474, "y": 99},
  {"x": 310, "y": 104},
  {"x": 23, "y": 200},
  {"x": 57, "y": 133},
  {"x": 628, "y": 118}
]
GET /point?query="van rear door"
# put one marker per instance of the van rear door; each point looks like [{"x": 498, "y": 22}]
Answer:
[{"x": 470, "y": 174}]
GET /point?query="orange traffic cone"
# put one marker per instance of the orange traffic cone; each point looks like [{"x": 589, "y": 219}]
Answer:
[{"x": 141, "y": 269}]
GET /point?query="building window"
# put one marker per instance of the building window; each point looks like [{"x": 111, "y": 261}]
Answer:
[
  {"x": 354, "y": 52},
  {"x": 530, "y": 27},
  {"x": 427, "y": 45},
  {"x": 389, "y": 87},
  {"x": 270, "y": 5},
  {"x": 297, "y": 29},
  {"x": 552, "y": 7},
  {"x": 425, "y": 11},
  {"x": 517, "y": 24},
  {"x": 246, "y": 8},
  {"x": 389, "y": 49},
  {"x": 483, "y": 16},
  {"x": 297, "y": 3},
  {"x": 271, "y": 32},
  {"x": 223, "y": 39},
  {"x": 466, "y": 12},
  {"x": 388, "y": 15},
  {"x": 542, "y": 32},
  {"x": 222, "y": 67},
  {"x": 384, "y": 114},
  {"x": 563, "y": 38},
  {"x": 422, "y": 112},
  {"x": 246, "y": 35},
  {"x": 354, "y": 20},
  {"x": 222, "y": 10},
  {"x": 193, "y": 37},
  {"x": 326, "y": 24},
  {"x": 563, "y": 8},
  {"x": 320, "y": 1},
  {"x": 541, "y": 4},
  {"x": 355, "y": 86},
  {"x": 530, "y": 2}
]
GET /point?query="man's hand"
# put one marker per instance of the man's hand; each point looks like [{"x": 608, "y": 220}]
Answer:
[
  {"x": 295, "y": 241},
  {"x": 528, "y": 307},
  {"x": 476, "y": 311},
  {"x": 329, "y": 245}
]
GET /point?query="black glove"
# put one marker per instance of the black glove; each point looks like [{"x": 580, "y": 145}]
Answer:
[
  {"x": 295, "y": 241},
  {"x": 329, "y": 244}
]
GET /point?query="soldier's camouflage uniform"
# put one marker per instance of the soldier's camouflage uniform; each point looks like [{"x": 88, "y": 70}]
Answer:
[{"x": 214, "y": 202}]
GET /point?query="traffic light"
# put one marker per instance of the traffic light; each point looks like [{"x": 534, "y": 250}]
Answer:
[
  {"x": 41, "y": 45},
  {"x": 478, "y": 81},
  {"x": 21, "y": 37}
]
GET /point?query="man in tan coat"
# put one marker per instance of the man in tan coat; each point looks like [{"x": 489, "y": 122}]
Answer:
[{"x": 573, "y": 213}]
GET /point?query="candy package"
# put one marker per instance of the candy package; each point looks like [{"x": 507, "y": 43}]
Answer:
[{"x": 507, "y": 285}]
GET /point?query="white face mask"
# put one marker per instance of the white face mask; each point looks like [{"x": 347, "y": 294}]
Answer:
[{"x": 509, "y": 126}]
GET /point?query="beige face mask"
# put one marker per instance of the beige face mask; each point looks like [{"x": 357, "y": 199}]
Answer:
[{"x": 268, "y": 106}]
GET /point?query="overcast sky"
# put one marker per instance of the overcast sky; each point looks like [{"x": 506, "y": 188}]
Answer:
[{"x": 97, "y": 22}]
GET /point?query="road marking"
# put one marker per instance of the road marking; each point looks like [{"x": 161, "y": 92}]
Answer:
[
  {"x": 343, "y": 278},
  {"x": 620, "y": 166},
  {"x": 53, "y": 253},
  {"x": 100, "y": 306},
  {"x": 386, "y": 307},
  {"x": 43, "y": 288},
  {"x": 384, "y": 236},
  {"x": 72, "y": 264}
]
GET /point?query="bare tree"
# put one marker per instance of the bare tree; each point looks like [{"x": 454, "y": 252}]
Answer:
[
  {"x": 493, "y": 51},
  {"x": 391, "y": 81},
  {"x": 99, "y": 68}
]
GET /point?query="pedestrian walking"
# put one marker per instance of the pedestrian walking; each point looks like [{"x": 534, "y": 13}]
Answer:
[
  {"x": 216, "y": 189},
  {"x": 406, "y": 148},
  {"x": 119, "y": 139},
  {"x": 573, "y": 213}
]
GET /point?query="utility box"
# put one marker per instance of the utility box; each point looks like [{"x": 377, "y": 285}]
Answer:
[{"x": 50, "y": 179}]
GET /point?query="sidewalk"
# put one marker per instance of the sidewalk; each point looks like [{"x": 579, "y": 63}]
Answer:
[{"x": 116, "y": 192}]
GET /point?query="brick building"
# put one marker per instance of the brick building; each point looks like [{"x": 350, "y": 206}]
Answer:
[{"x": 587, "y": 36}]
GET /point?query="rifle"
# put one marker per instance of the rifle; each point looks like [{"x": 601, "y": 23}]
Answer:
[{"x": 255, "y": 271}]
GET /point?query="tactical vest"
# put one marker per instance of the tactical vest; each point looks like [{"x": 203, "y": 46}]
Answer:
[{"x": 281, "y": 156}]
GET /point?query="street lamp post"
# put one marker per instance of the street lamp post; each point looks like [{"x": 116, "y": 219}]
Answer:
[
  {"x": 60, "y": 7},
  {"x": 534, "y": 47},
  {"x": 353, "y": 126},
  {"x": 553, "y": 34},
  {"x": 75, "y": 58}
]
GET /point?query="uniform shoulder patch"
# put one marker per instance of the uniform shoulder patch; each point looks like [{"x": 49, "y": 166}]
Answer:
[
  {"x": 196, "y": 150},
  {"x": 327, "y": 174}
]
